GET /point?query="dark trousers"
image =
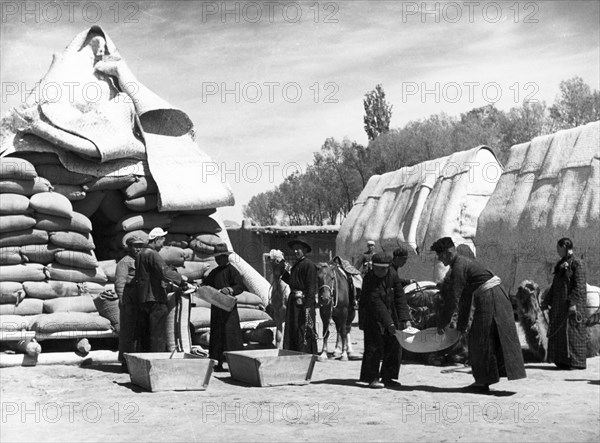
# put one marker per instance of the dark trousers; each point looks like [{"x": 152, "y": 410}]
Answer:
[
  {"x": 128, "y": 333},
  {"x": 152, "y": 321},
  {"x": 380, "y": 346},
  {"x": 225, "y": 333}
]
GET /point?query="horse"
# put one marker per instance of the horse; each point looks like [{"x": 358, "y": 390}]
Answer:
[{"x": 334, "y": 303}]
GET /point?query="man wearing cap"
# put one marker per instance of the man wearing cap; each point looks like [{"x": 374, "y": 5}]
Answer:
[
  {"x": 225, "y": 330},
  {"x": 365, "y": 264},
  {"x": 128, "y": 304},
  {"x": 300, "y": 333},
  {"x": 494, "y": 348},
  {"x": 385, "y": 311},
  {"x": 152, "y": 275},
  {"x": 399, "y": 259}
]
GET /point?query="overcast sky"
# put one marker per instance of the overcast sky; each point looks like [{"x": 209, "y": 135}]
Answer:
[{"x": 268, "y": 81}]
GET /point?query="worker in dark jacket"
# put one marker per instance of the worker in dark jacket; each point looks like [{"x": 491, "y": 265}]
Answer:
[
  {"x": 385, "y": 311},
  {"x": 225, "y": 330},
  {"x": 125, "y": 288},
  {"x": 153, "y": 276}
]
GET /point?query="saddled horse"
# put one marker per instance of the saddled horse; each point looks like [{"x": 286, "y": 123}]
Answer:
[{"x": 334, "y": 303}]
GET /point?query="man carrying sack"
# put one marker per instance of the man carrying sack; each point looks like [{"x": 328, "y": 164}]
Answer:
[
  {"x": 225, "y": 330},
  {"x": 494, "y": 347}
]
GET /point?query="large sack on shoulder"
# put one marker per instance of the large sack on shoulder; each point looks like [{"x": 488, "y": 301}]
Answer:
[
  {"x": 193, "y": 270},
  {"x": 194, "y": 224},
  {"x": 14, "y": 167},
  {"x": 11, "y": 223},
  {"x": 76, "y": 259},
  {"x": 25, "y": 237},
  {"x": 172, "y": 255},
  {"x": 51, "y": 203},
  {"x": 58, "y": 174},
  {"x": 13, "y": 204},
  {"x": 77, "y": 275},
  {"x": 43, "y": 254},
  {"x": 72, "y": 192},
  {"x": 141, "y": 186},
  {"x": 14, "y": 323},
  {"x": 143, "y": 203},
  {"x": 25, "y": 187},
  {"x": 83, "y": 303},
  {"x": 11, "y": 255},
  {"x": 109, "y": 183},
  {"x": 24, "y": 272},
  {"x": 28, "y": 306},
  {"x": 45, "y": 290},
  {"x": 72, "y": 240},
  {"x": 11, "y": 292},
  {"x": 113, "y": 206},
  {"x": 178, "y": 240},
  {"x": 90, "y": 204},
  {"x": 70, "y": 321},
  {"x": 78, "y": 222},
  {"x": 147, "y": 220},
  {"x": 109, "y": 267}
]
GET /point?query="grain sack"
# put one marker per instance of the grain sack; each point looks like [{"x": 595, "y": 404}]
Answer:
[
  {"x": 40, "y": 158},
  {"x": 11, "y": 223},
  {"x": 11, "y": 255},
  {"x": 123, "y": 236},
  {"x": 147, "y": 220},
  {"x": 23, "y": 272},
  {"x": 200, "y": 318},
  {"x": 209, "y": 211},
  {"x": 107, "y": 305},
  {"x": 25, "y": 237},
  {"x": 13, "y": 323},
  {"x": 58, "y": 174},
  {"x": 28, "y": 306},
  {"x": 25, "y": 187},
  {"x": 72, "y": 240},
  {"x": 43, "y": 254},
  {"x": 76, "y": 259},
  {"x": 194, "y": 224},
  {"x": 172, "y": 255},
  {"x": 45, "y": 290},
  {"x": 83, "y": 303},
  {"x": 263, "y": 336},
  {"x": 51, "y": 203},
  {"x": 201, "y": 248},
  {"x": 191, "y": 255},
  {"x": 109, "y": 267},
  {"x": 91, "y": 288},
  {"x": 178, "y": 240},
  {"x": 72, "y": 192},
  {"x": 113, "y": 206},
  {"x": 78, "y": 223},
  {"x": 193, "y": 270},
  {"x": 14, "y": 167},
  {"x": 143, "y": 204},
  {"x": 77, "y": 275},
  {"x": 90, "y": 204},
  {"x": 13, "y": 204},
  {"x": 141, "y": 186},
  {"x": 70, "y": 321},
  {"x": 108, "y": 183},
  {"x": 253, "y": 315},
  {"x": 248, "y": 298},
  {"x": 11, "y": 292}
]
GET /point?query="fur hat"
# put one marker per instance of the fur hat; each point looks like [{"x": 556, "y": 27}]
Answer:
[
  {"x": 442, "y": 244},
  {"x": 302, "y": 241}
]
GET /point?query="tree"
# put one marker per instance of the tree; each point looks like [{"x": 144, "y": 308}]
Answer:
[
  {"x": 377, "y": 113},
  {"x": 576, "y": 105},
  {"x": 263, "y": 208}
]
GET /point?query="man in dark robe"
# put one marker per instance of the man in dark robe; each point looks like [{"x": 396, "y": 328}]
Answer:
[
  {"x": 125, "y": 287},
  {"x": 300, "y": 333},
  {"x": 494, "y": 347},
  {"x": 385, "y": 310},
  {"x": 152, "y": 277},
  {"x": 225, "y": 330}
]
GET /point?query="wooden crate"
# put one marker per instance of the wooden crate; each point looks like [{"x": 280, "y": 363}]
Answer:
[
  {"x": 271, "y": 367},
  {"x": 156, "y": 371}
]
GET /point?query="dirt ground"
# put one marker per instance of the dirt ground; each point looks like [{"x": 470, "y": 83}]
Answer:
[{"x": 99, "y": 403}]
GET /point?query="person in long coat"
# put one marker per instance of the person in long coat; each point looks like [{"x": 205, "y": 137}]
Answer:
[
  {"x": 567, "y": 298},
  {"x": 300, "y": 332},
  {"x": 225, "y": 329},
  {"x": 494, "y": 347},
  {"x": 384, "y": 310}
]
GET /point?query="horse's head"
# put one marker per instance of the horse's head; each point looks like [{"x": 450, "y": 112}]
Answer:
[{"x": 326, "y": 281}]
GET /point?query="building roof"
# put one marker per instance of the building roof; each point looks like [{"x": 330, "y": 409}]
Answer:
[{"x": 290, "y": 231}]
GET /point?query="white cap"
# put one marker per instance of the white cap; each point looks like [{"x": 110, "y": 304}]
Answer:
[
  {"x": 156, "y": 232},
  {"x": 371, "y": 242}
]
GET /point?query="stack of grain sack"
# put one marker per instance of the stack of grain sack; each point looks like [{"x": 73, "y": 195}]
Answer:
[{"x": 84, "y": 175}]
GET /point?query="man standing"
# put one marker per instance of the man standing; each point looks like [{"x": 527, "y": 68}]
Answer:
[
  {"x": 300, "y": 333},
  {"x": 125, "y": 288},
  {"x": 385, "y": 311},
  {"x": 152, "y": 275},
  {"x": 399, "y": 259},
  {"x": 225, "y": 330},
  {"x": 494, "y": 348},
  {"x": 365, "y": 264}
]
